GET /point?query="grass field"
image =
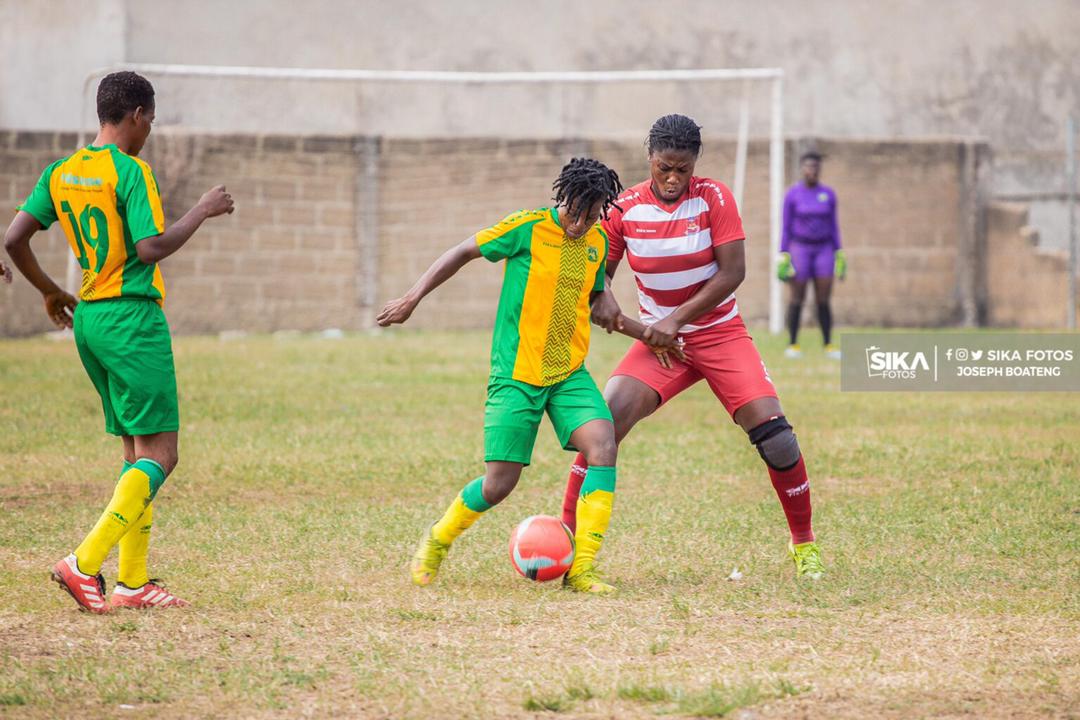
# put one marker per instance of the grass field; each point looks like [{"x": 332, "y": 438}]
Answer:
[{"x": 950, "y": 525}]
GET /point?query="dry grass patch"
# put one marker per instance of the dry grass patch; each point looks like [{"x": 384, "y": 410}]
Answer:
[{"x": 309, "y": 469}]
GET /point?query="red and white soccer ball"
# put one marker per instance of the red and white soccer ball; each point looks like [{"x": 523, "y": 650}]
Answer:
[{"x": 542, "y": 548}]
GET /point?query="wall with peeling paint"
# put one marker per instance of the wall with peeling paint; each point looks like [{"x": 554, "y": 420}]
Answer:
[{"x": 999, "y": 69}]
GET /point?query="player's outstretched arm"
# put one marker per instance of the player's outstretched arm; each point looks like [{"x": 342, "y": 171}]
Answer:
[
  {"x": 399, "y": 310},
  {"x": 213, "y": 203},
  {"x": 58, "y": 304}
]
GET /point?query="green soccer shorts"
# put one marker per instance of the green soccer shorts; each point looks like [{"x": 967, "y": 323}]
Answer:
[
  {"x": 126, "y": 348},
  {"x": 514, "y": 409}
]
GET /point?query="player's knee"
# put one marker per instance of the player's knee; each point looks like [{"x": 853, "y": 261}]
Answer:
[
  {"x": 776, "y": 443},
  {"x": 498, "y": 485},
  {"x": 602, "y": 451},
  {"x": 627, "y": 412},
  {"x": 166, "y": 460},
  {"x": 169, "y": 460},
  {"x": 622, "y": 429}
]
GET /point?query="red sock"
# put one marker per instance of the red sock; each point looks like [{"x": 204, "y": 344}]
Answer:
[
  {"x": 793, "y": 489},
  {"x": 573, "y": 489}
]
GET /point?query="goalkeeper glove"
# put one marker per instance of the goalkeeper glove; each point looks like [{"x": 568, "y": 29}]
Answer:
[
  {"x": 840, "y": 268},
  {"x": 784, "y": 269}
]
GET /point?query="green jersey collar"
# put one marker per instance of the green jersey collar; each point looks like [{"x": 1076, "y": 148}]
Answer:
[{"x": 555, "y": 217}]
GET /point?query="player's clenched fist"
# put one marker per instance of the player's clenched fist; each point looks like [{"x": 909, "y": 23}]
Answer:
[
  {"x": 606, "y": 312},
  {"x": 216, "y": 201},
  {"x": 396, "y": 311},
  {"x": 61, "y": 308}
]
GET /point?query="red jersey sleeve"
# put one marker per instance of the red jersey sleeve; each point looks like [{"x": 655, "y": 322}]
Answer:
[
  {"x": 725, "y": 225},
  {"x": 613, "y": 227}
]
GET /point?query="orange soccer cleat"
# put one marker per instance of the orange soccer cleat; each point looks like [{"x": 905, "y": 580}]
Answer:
[
  {"x": 151, "y": 595},
  {"x": 88, "y": 590}
]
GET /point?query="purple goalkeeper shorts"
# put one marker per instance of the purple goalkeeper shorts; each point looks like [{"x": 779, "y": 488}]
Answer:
[{"x": 812, "y": 260}]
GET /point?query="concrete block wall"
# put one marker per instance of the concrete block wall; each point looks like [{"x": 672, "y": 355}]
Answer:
[
  {"x": 1027, "y": 286},
  {"x": 328, "y": 228}
]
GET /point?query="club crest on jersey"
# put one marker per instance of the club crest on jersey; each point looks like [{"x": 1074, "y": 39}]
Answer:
[
  {"x": 593, "y": 254},
  {"x": 823, "y": 197},
  {"x": 692, "y": 226}
]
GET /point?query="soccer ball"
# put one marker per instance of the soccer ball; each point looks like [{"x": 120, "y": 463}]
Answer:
[{"x": 541, "y": 548}]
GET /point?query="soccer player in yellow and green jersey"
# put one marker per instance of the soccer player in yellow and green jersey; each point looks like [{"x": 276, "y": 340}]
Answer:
[
  {"x": 106, "y": 200},
  {"x": 554, "y": 270}
]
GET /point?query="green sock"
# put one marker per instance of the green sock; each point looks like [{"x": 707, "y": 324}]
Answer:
[{"x": 463, "y": 512}]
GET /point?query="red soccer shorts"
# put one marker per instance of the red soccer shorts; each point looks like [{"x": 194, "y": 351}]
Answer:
[{"x": 724, "y": 355}]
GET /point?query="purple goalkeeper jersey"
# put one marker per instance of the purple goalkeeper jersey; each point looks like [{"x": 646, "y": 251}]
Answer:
[{"x": 810, "y": 216}]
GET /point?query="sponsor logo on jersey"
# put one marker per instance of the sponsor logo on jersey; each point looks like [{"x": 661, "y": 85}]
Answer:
[{"x": 70, "y": 179}]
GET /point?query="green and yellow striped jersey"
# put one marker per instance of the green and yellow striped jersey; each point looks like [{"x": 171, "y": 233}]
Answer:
[
  {"x": 106, "y": 201},
  {"x": 542, "y": 324}
]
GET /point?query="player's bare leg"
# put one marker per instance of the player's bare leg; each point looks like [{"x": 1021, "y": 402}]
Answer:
[
  {"x": 128, "y": 443},
  {"x": 630, "y": 401},
  {"x": 162, "y": 448},
  {"x": 500, "y": 479},
  {"x": 764, "y": 422}
]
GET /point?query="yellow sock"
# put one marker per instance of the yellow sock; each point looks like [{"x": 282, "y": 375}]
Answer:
[
  {"x": 134, "y": 548},
  {"x": 134, "y": 491},
  {"x": 467, "y": 506},
  {"x": 593, "y": 515}
]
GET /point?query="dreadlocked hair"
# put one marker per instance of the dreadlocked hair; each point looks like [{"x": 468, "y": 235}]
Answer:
[
  {"x": 583, "y": 182},
  {"x": 674, "y": 132}
]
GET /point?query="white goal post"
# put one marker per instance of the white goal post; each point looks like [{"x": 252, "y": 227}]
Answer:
[{"x": 774, "y": 76}]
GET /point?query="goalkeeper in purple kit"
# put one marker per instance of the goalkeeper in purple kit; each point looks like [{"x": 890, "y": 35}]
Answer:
[{"x": 810, "y": 251}]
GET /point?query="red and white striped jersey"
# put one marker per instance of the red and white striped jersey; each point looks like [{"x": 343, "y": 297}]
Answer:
[{"x": 670, "y": 248}]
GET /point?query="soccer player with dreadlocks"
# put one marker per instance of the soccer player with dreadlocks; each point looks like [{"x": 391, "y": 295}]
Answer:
[
  {"x": 554, "y": 273},
  {"x": 683, "y": 238}
]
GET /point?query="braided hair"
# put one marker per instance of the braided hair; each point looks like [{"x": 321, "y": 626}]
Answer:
[
  {"x": 583, "y": 182},
  {"x": 674, "y": 132}
]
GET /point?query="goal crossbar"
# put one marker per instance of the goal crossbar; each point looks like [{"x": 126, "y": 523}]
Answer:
[{"x": 775, "y": 76}]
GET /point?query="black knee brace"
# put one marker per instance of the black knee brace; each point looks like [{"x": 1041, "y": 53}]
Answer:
[{"x": 776, "y": 443}]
